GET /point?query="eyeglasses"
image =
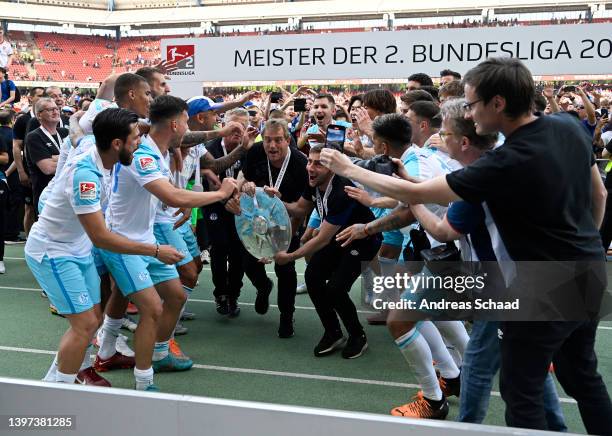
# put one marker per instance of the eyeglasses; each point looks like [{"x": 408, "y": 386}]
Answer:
[{"x": 468, "y": 105}]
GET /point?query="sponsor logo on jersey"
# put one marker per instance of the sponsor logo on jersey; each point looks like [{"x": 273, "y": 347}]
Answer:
[
  {"x": 83, "y": 298},
  {"x": 88, "y": 190},
  {"x": 147, "y": 163}
]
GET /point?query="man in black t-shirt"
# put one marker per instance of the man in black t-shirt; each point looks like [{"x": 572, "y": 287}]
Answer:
[
  {"x": 536, "y": 188},
  {"x": 43, "y": 146},
  {"x": 275, "y": 164},
  {"x": 332, "y": 268},
  {"x": 19, "y": 134}
]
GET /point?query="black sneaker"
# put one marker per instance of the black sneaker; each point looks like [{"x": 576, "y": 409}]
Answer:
[
  {"x": 450, "y": 386},
  {"x": 285, "y": 327},
  {"x": 355, "y": 347},
  {"x": 222, "y": 306},
  {"x": 262, "y": 303},
  {"x": 232, "y": 306},
  {"x": 329, "y": 343}
]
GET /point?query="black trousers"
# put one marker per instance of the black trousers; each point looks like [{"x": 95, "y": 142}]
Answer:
[
  {"x": 329, "y": 277},
  {"x": 287, "y": 278},
  {"x": 4, "y": 195},
  {"x": 13, "y": 209},
  {"x": 225, "y": 255},
  {"x": 528, "y": 348}
]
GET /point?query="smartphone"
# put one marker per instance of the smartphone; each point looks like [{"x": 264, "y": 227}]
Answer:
[
  {"x": 604, "y": 112},
  {"x": 569, "y": 88},
  {"x": 299, "y": 105},
  {"x": 335, "y": 137},
  {"x": 275, "y": 97},
  {"x": 252, "y": 113}
]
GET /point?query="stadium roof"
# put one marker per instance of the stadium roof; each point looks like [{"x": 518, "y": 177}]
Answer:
[{"x": 253, "y": 12}]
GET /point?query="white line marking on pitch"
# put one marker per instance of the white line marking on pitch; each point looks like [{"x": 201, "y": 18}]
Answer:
[
  {"x": 271, "y": 273},
  {"x": 283, "y": 374},
  {"x": 192, "y": 300}
]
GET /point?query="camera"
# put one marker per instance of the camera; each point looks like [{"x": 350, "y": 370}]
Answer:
[{"x": 381, "y": 164}]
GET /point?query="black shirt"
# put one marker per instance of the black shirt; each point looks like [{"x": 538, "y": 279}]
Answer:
[
  {"x": 295, "y": 180},
  {"x": 538, "y": 188},
  {"x": 341, "y": 209},
  {"x": 20, "y": 126},
  {"x": 38, "y": 147},
  {"x": 6, "y": 145}
]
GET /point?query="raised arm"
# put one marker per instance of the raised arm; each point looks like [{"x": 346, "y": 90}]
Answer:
[{"x": 435, "y": 190}]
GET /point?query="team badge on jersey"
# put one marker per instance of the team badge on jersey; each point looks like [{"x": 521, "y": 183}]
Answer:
[
  {"x": 87, "y": 190},
  {"x": 147, "y": 163}
]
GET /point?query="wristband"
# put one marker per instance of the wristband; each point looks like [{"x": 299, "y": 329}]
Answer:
[{"x": 156, "y": 250}]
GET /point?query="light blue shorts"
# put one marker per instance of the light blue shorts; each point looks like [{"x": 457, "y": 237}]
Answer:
[
  {"x": 392, "y": 237},
  {"x": 133, "y": 273},
  {"x": 99, "y": 262},
  {"x": 190, "y": 239},
  {"x": 71, "y": 283},
  {"x": 166, "y": 235}
]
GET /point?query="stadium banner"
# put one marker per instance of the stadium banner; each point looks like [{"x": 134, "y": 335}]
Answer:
[{"x": 546, "y": 50}]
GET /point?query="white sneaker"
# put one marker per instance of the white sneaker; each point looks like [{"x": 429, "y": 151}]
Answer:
[
  {"x": 122, "y": 346},
  {"x": 2, "y": 267},
  {"x": 301, "y": 289},
  {"x": 128, "y": 324},
  {"x": 205, "y": 257}
]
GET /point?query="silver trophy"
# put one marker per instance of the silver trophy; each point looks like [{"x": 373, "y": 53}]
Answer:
[{"x": 263, "y": 226}]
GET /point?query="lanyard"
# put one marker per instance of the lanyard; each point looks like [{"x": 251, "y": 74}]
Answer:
[
  {"x": 57, "y": 140},
  {"x": 230, "y": 171},
  {"x": 322, "y": 204},
  {"x": 282, "y": 171}
]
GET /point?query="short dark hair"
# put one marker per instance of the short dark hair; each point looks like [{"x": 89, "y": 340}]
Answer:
[
  {"x": 125, "y": 82},
  {"x": 316, "y": 148},
  {"x": 394, "y": 129},
  {"x": 32, "y": 92},
  {"x": 506, "y": 77},
  {"x": 166, "y": 107},
  {"x": 427, "y": 110},
  {"x": 452, "y": 89},
  {"x": 539, "y": 102},
  {"x": 6, "y": 116},
  {"x": 455, "y": 74},
  {"x": 82, "y": 101},
  {"x": 416, "y": 95},
  {"x": 431, "y": 90},
  {"x": 358, "y": 97},
  {"x": 111, "y": 124},
  {"x": 329, "y": 98},
  {"x": 422, "y": 78},
  {"x": 381, "y": 100},
  {"x": 147, "y": 73}
]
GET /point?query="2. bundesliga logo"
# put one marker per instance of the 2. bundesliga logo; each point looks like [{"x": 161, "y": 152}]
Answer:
[
  {"x": 183, "y": 58},
  {"x": 87, "y": 191}
]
